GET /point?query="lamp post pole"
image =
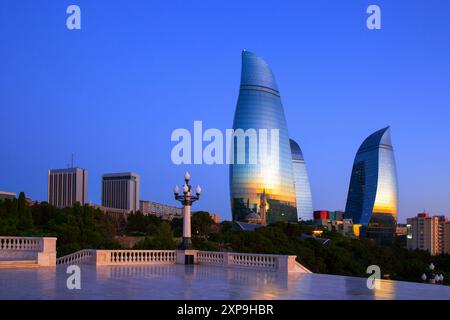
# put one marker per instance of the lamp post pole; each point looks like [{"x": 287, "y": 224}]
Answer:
[{"x": 187, "y": 199}]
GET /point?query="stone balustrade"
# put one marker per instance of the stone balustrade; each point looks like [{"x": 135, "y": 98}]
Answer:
[
  {"x": 122, "y": 257},
  {"x": 39, "y": 249},
  {"x": 263, "y": 262},
  {"x": 266, "y": 262},
  {"x": 20, "y": 243},
  {"x": 211, "y": 257},
  {"x": 255, "y": 261}
]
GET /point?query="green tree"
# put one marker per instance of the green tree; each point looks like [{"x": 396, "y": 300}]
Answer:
[
  {"x": 25, "y": 221},
  {"x": 140, "y": 224},
  {"x": 163, "y": 239},
  {"x": 136, "y": 223},
  {"x": 177, "y": 226},
  {"x": 201, "y": 223}
]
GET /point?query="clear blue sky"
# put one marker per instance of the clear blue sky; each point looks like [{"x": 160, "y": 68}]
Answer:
[{"x": 113, "y": 92}]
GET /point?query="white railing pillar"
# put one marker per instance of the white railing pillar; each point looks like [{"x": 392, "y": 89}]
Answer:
[
  {"x": 47, "y": 256},
  {"x": 227, "y": 259},
  {"x": 102, "y": 257},
  {"x": 181, "y": 256}
]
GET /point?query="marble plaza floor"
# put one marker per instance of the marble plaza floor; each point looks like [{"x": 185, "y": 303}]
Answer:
[{"x": 200, "y": 282}]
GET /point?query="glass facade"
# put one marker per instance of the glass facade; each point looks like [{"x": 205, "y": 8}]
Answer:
[
  {"x": 259, "y": 107},
  {"x": 302, "y": 187},
  {"x": 373, "y": 194}
]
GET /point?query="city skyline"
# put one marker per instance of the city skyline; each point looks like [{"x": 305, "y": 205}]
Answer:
[{"x": 97, "y": 93}]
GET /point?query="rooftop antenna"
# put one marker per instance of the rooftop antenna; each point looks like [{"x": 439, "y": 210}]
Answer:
[{"x": 72, "y": 160}]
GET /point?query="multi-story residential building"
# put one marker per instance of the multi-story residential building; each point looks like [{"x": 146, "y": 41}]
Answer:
[
  {"x": 427, "y": 232},
  {"x": 167, "y": 212},
  {"x": 447, "y": 237},
  {"x": 121, "y": 191},
  {"x": 67, "y": 186},
  {"x": 160, "y": 210},
  {"x": 440, "y": 241}
]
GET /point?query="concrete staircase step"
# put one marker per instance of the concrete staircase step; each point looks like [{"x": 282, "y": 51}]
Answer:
[{"x": 18, "y": 264}]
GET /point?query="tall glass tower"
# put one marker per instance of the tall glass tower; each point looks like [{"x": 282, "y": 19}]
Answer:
[
  {"x": 259, "y": 107},
  {"x": 302, "y": 187},
  {"x": 373, "y": 193}
]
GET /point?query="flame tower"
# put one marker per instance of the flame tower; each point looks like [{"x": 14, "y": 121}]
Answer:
[
  {"x": 259, "y": 107},
  {"x": 302, "y": 186},
  {"x": 373, "y": 193}
]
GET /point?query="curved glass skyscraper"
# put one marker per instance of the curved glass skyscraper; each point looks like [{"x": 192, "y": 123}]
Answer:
[
  {"x": 259, "y": 107},
  {"x": 373, "y": 193},
  {"x": 302, "y": 187}
]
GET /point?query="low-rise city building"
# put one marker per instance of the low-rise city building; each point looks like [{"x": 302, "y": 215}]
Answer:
[
  {"x": 336, "y": 215},
  {"x": 401, "y": 229},
  {"x": 335, "y": 221},
  {"x": 117, "y": 214},
  {"x": 321, "y": 215},
  {"x": 215, "y": 217}
]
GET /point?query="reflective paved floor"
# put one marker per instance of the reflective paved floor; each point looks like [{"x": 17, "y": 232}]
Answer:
[{"x": 200, "y": 282}]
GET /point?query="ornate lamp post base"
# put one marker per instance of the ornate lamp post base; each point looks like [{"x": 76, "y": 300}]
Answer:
[{"x": 186, "y": 244}]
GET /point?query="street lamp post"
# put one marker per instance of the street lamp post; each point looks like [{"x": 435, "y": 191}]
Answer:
[
  {"x": 187, "y": 199},
  {"x": 432, "y": 276}
]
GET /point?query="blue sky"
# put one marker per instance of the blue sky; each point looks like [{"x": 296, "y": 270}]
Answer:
[{"x": 113, "y": 92}]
